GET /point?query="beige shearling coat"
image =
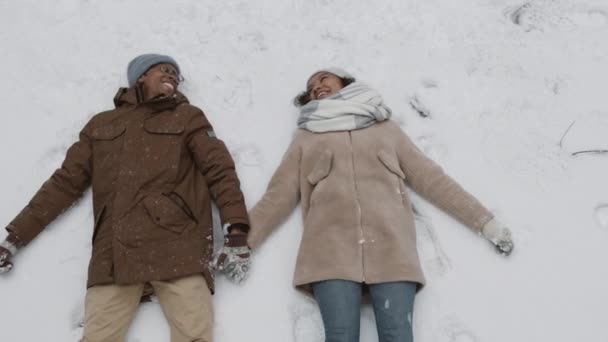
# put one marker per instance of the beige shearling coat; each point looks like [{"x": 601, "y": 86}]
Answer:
[{"x": 358, "y": 219}]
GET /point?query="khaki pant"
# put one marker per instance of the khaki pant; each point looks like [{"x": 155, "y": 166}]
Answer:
[{"x": 186, "y": 303}]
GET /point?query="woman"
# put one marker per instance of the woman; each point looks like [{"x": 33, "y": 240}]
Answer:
[{"x": 348, "y": 163}]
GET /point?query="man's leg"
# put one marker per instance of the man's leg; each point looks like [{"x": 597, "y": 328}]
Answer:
[
  {"x": 394, "y": 307},
  {"x": 340, "y": 304},
  {"x": 187, "y": 305},
  {"x": 109, "y": 310}
]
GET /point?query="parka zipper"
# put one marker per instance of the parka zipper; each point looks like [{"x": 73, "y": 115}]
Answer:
[{"x": 358, "y": 203}]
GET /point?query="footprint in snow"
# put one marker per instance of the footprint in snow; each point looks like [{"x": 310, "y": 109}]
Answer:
[
  {"x": 601, "y": 216},
  {"x": 431, "y": 146},
  {"x": 541, "y": 15},
  {"x": 419, "y": 101},
  {"x": 246, "y": 155},
  {"x": 431, "y": 252},
  {"x": 76, "y": 335},
  {"x": 590, "y": 18},
  {"x": 307, "y": 323},
  {"x": 454, "y": 331},
  {"x": 77, "y": 321}
]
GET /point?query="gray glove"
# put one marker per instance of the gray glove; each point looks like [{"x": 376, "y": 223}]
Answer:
[
  {"x": 233, "y": 258},
  {"x": 499, "y": 235}
]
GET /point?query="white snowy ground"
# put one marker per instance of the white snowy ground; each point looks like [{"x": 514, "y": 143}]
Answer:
[{"x": 500, "y": 82}]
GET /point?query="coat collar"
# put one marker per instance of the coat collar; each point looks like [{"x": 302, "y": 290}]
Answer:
[{"x": 133, "y": 97}]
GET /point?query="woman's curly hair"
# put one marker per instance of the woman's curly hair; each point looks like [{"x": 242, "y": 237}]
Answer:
[{"x": 304, "y": 97}]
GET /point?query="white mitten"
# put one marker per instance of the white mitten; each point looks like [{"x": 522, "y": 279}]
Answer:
[{"x": 499, "y": 235}]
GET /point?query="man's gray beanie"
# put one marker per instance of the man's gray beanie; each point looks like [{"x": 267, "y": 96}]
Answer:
[{"x": 140, "y": 64}]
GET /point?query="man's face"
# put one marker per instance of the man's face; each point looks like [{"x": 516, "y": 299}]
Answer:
[{"x": 159, "y": 81}]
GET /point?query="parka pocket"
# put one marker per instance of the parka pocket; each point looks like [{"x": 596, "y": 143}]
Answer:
[
  {"x": 107, "y": 144},
  {"x": 108, "y": 132},
  {"x": 179, "y": 201},
  {"x": 167, "y": 214},
  {"x": 164, "y": 142},
  {"x": 391, "y": 163},
  {"x": 321, "y": 168},
  {"x": 163, "y": 125}
]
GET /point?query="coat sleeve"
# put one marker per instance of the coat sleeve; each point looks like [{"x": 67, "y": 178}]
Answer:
[
  {"x": 430, "y": 181},
  {"x": 58, "y": 193},
  {"x": 280, "y": 198},
  {"x": 215, "y": 163}
]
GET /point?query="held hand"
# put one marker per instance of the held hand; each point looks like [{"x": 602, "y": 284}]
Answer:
[
  {"x": 498, "y": 234},
  {"x": 8, "y": 248},
  {"x": 234, "y": 258},
  {"x": 5, "y": 260}
]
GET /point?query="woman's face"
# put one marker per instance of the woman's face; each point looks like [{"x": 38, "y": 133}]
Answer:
[{"x": 323, "y": 84}]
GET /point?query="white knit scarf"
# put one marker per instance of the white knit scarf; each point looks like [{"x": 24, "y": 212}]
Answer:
[{"x": 353, "y": 107}]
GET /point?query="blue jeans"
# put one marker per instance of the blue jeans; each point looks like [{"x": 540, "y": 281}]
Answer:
[{"x": 340, "y": 304}]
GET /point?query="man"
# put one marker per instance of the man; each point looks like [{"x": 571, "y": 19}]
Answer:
[{"x": 154, "y": 163}]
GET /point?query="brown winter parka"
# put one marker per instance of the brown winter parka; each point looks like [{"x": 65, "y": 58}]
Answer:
[{"x": 154, "y": 167}]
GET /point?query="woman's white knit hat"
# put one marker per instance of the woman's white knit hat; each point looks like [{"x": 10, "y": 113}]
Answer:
[{"x": 334, "y": 70}]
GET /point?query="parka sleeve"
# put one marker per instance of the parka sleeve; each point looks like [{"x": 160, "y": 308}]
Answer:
[
  {"x": 215, "y": 163},
  {"x": 428, "y": 179},
  {"x": 58, "y": 193},
  {"x": 279, "y": 200}
]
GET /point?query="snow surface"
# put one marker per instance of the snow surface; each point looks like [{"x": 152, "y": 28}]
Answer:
[{"x": 509, "y": 90}]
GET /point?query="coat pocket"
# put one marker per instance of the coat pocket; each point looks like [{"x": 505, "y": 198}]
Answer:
[
  {"x": 164, "y": 140},
  {"x": 321, "y": 168},
  {"x": 391, "y": 163},
  {"x": 179, "y": 201},
  {"x": 108, "y": 132},
  {"x": 167, "y": 214},
  {"x": 107, "y": 144},
  {"x": 163, "y": 125}
]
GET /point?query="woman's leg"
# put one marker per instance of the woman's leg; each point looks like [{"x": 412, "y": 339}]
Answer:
[
  {"x": 340, "y": 304},
  {"x": 394, "y": 307}
]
